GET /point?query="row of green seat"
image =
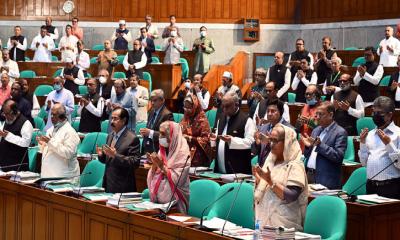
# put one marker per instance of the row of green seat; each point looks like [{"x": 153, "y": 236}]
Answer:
[{"x": 100, "y": 47}]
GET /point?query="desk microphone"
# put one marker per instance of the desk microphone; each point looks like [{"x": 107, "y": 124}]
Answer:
[
  {"x": 20, "y": 164},
  {"x": 234, "y": 199},
  {"x": 212, "y": 203},
  {"x": 94, "y": 146},
  {"x": 352, "y": 197},
  {"x": 163, "y": 214}
]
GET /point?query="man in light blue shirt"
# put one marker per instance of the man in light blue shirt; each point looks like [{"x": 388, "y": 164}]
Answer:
[
  {"x": 59, "y": 95},
  {"x": 379, "y": 151}
]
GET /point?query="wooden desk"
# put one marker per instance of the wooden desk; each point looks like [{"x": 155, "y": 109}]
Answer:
[{"x": 32, "y": 213}]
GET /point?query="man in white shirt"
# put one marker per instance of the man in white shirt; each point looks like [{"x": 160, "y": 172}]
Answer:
[
  {"x": 59, "y": 146},
  {"x": 135, "y": 60},
  {"x": 234, "y": 137},
  {"x": 82, "y": 59},
  {"x": 368, "y": 77},
  {"x": 42, "y": 45},
  {"x": 121, "y": 37},
  {"x": 10, "y": 66},
  {"x": 303, "y": 78},
  {"x": 389, "y": 49},
  {"x": 15, "y": 138},
  {"x": 17, "y": 45},
  {"x": 68, "y": 44},
  {"x": 152, "y": 31},
  {"x": 202, "y": 93},
  {"x": 59, "y": 95}
]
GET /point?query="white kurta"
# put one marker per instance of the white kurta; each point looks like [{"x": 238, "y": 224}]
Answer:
[
  {"x": 42, "y": 54},
  {"x": 13, "y": 69},
  {"x": 59, "y": 154},
  {"x": 71, "y": 43},
  {"x": 388, "y": 58}
]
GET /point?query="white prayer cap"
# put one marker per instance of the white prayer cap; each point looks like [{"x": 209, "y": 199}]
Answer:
[
  {"x": 227, "y": 74},
  {"x": 122, "y": 22},
  {"x": 68, "y": 60}
]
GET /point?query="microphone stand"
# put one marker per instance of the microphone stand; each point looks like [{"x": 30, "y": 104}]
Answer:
[
  {"x": 352, "y": 197},
  {"x": 63, "y": 178},
  {"x": 234, "y": 199},
  {"x": 20, "y": 164},
  {"x": 163, "y": 214}
]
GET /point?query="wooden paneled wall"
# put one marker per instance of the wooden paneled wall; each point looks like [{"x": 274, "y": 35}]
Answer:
[{"x": 208, "y": 11}]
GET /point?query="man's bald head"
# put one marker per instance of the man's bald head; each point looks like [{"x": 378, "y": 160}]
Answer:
[
  {"x": 279, "y": 57},
  {"x": 388, "y": 32},
  {"x": 230, "y": 104}
]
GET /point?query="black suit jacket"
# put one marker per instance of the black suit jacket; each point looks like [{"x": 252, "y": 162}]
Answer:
[
  {"x": 119, "y": 175},
  {"x": 152, "y": 145},
  {"x": 149, "y": 49}
]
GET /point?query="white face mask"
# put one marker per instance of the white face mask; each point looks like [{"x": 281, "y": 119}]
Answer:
[
  {"x": 187, "y": 85},
  {"x": 163, "y": 142},
  {"x": 203, "y": 33},
  {"x": 173, "y": 33},
  {"x": 102, "y": 80}
]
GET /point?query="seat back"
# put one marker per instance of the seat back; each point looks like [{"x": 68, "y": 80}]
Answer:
[
  {"x": 119, "y": 75},
  {"x": 32, "y": 153},
  {"x": 357, "y": 178},
  {"x": 93, "y": 60},
  {"x": 54, "y": 58},
  {"x": 155, "y": 60},
  {"x": 365, "y": 122},
  {"x": 211, "y": 115},
  {"x": 104, "y": 126},
  {"x": 358, "y": 61},
  {"x": 75, "y": 123},
  {"x": 242, "y": 212},
  {"x": 96, "y": 168},
  {"x": 27, "y": 74},
  {"x": 43, "y": 90},
  {"x": 120, "y": 59},
  {"x": 350, "y": 48},
  {"x": 291, "y": 97},
  {"x": 185, "y": 67},
  {"x": 254, "y": 160},
  {"x": 147, "y": 77},
  {"x": 90, "y": 142},
  {"x": 202, "y": 193},
  {"x": 140, "y": 125},
  {"x": 146, "y": 194},
  {"x": 385, "y": 81},
  {"x": 326, "y": 216},
  {"x": 177, "y": 117},
  {"x": 98, "y": 47},
  {"x": 39, "y": 123},
  {"x": 57, "y": 73},
  {"x": 349, "y": 155},
  {"x": 83, "y": 90}
]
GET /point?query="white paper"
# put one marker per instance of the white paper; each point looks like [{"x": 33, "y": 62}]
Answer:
[
  {"x": 179, "y": 218},
  {"x": 150, "y": 205},
  {"x": 397, "y": 96},
  {"x": 218, "y": 223},
  {"x": 374, "y": 198}
]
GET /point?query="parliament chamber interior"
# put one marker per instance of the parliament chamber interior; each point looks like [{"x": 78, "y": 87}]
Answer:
[{"x": 199, "y": 119}]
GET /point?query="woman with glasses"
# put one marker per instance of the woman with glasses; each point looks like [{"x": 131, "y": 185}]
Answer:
[{"x": 281, "y": 188}]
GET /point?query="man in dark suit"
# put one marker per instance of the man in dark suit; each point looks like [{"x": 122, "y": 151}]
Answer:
[
  {"x": 325, "y": 148},
  {"x": 157, "y": 115},
  {"x": 147, "y": 44},
  {"x": 121, "y": 155},
  {"x": 261, "y": 145}
]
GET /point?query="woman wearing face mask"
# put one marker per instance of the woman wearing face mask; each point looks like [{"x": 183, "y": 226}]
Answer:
[
  {"x": 203, "y": 47},
  {"x": 281, "y": 188},
  {"x": 173, "y": 46},
  {"x": 168, "y": 165},
  {"x": 196, "y": 130}
]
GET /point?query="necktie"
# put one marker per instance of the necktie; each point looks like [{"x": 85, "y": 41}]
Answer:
[
  {"x": 114, "y": 141},
  {"x": 153, "y": 119}
]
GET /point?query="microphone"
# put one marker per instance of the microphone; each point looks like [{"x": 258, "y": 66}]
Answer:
[
  {"x": 94, "y": 146},
  {"x": 20, "y": 164},
  {"x": 352, "y": 197},
  {"x": 163, "y": 214},
  {"x": 63, "y": 178},
  {"x": 212, "y": 203},
  {"x": 80, "y": 186},
  {"x": 234, "y": 199}
]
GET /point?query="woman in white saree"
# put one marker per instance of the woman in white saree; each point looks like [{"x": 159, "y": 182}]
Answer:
[{"x": 281, "y": 191}]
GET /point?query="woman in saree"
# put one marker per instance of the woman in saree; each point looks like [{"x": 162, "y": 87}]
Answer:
[
  {"x": 281, "y": 190},
  {"x": 168, "y": 165},
  {"x": 196, "y": 130}
]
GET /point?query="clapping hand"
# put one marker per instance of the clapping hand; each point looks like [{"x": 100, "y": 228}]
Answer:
[
  {"x": 361, "y": 70},
  {"x": 226, "y": 138},
  {"x": 344, "y": 105},
  {"x": 363, "y": 135},
  {"x": 382, "y": 135},
  {"x": 264, "y": 175},
  {"x": 307, "y": 140},
  {"x": 109, "y": 151}
]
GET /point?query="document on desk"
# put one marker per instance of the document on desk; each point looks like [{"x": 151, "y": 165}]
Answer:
[
  {"x": 218, "y": 223},
  {"x": 374, "y": 198},
  {"x": 150, "y": 205},
  {"x": 179, "y": 218}
]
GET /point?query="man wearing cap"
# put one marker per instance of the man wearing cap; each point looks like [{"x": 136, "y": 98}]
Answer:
[
  {"x": 73, "y": 76},
  {"x": 303, "y": 78},
  {"x": 227, "y": 87},
  {"x": 121, "y": 37}
]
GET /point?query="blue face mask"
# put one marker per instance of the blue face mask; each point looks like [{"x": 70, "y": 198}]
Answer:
[
  {"x": 57, "y": 87},
  {"x": 311, "y": 102}
]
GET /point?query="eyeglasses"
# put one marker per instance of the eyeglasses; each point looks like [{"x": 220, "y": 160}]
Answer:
[
  {"x": 275, "y": 141},
  {"x": 115, "y": 119},
  {"x": 309, "y": 94}
]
